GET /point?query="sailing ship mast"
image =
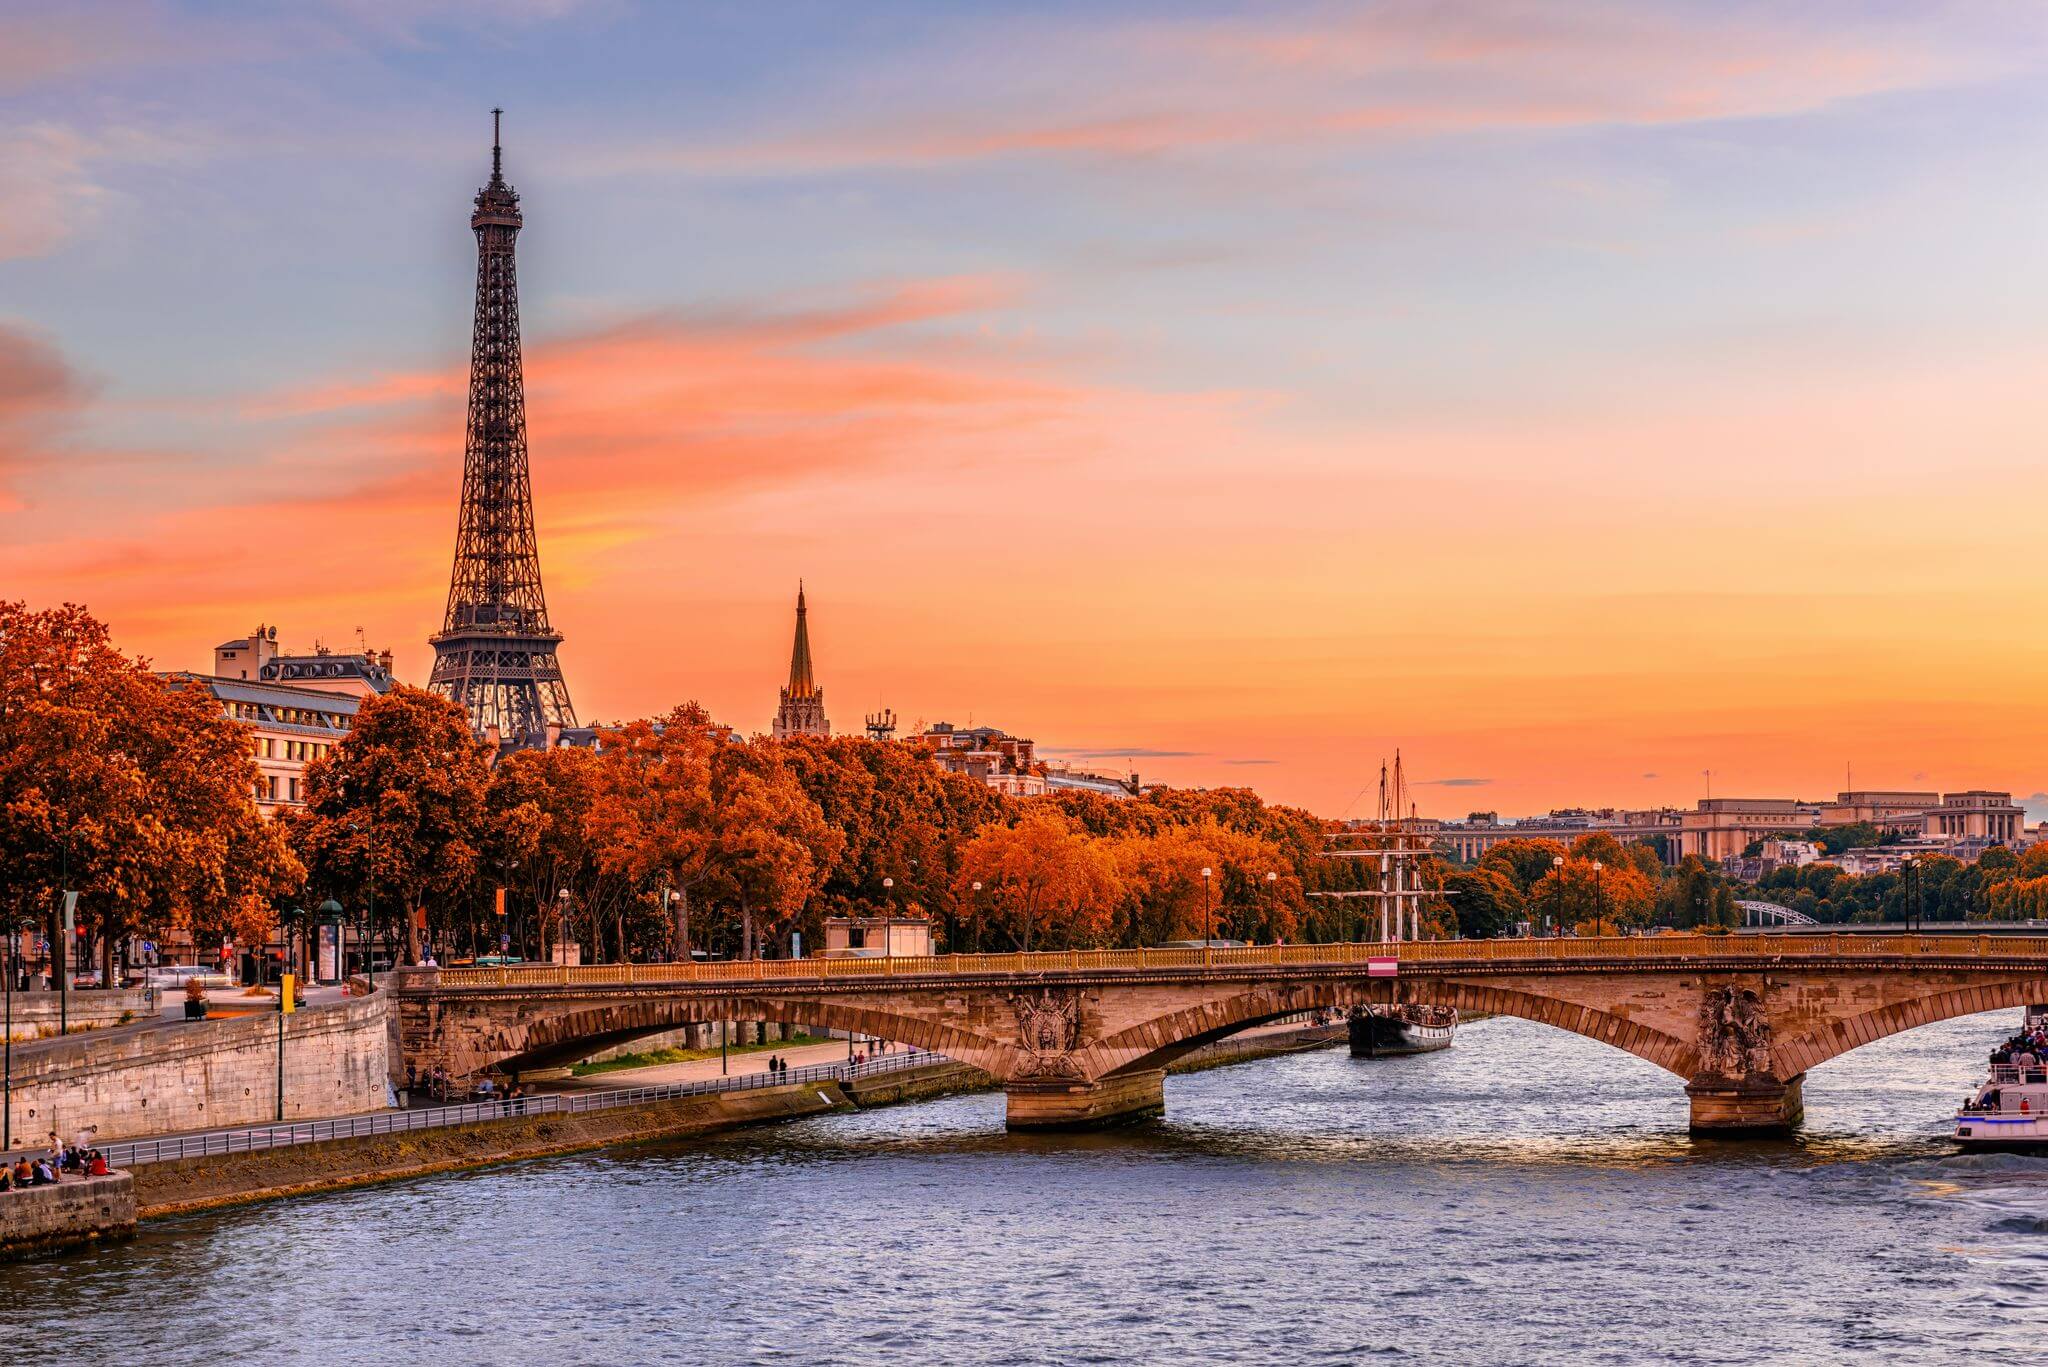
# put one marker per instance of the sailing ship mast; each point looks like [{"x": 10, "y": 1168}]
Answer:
[{"x": 1397, "y": 839}]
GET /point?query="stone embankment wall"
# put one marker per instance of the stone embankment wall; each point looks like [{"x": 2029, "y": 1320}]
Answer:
[
  {"x": 232, "y": 1179},
  {"x": 37, "y": 1014},
  {"x": 205, "y": 1074},
  {"x": 44, "y": 1219}
]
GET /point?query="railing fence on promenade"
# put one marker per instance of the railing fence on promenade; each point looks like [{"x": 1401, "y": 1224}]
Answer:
[
  {"x": 259, "y": 1137},
  {"x": 1559, "y": 949}
]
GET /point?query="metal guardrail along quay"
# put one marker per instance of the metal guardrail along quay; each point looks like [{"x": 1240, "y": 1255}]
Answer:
[
  {"x": 1560, "y": 950},
  {"x": 255, "y": 1138}
]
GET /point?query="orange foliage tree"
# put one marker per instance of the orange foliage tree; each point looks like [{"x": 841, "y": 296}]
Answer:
[
  {"x": 126, "y": 788},
  {"x": 1044, "y": 882},
  {"x": 396, "y": 809},
  {"x": 1603, "y": 899}
]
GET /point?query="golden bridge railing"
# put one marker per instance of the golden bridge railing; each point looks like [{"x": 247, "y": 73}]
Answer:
[{"x": 1565, "y": 950}]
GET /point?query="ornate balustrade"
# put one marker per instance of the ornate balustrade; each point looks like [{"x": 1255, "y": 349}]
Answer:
[{"x": 1592, "y": 952}]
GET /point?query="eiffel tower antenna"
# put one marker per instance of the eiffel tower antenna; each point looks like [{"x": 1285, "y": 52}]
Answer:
[{"x": 495, "y": 652}]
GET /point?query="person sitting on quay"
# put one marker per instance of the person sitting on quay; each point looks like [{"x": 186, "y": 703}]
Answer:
[
  {"x": 43, "y": 1174},
  {"x": 96, "y": 1165},
  {"x": 24, "y": 1173}
]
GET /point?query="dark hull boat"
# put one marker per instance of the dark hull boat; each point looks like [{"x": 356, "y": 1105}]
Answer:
[{"x": 1390, "y": 1031}]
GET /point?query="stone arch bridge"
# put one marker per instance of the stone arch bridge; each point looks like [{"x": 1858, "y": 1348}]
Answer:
[{"x": 1084, "y": 1037}]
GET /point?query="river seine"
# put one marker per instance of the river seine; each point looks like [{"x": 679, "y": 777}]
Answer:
[{"x": 1525, "y": 1197}]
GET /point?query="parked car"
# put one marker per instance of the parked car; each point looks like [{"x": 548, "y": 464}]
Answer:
[
  {"x": 177, "y": 975},
  {"x": 86, "y": 977}
]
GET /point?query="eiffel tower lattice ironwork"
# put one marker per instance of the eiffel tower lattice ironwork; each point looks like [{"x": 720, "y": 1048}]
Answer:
[{"x": 495, "y": 652}]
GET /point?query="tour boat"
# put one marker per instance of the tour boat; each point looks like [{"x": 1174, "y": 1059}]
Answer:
[
  {"x": 1390, "y": 1031},
  {"x": 2010, "y": 1111}
]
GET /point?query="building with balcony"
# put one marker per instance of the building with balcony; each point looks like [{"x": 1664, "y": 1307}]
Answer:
[
  {"x": 296, "y": 707},
  {"x": 1004, "y": 762}
]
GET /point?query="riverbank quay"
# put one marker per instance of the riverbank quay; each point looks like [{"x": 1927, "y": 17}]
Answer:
[
  {"x": 233, "y": 1166},
  {"x": 66, "y": 1214},
  {"x": 182, "y": 1174},
  {"x": 183, "y": 1186}
]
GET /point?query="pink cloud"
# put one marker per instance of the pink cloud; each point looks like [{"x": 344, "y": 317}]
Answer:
[{"x": 1403, "y": 69}]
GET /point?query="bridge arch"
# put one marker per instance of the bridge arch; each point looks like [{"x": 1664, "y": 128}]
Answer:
[
  {"x": 1156, "y": 1043},
  {"x": 1838, "y": 1037},
  {"x": 553, "y": 1038}
]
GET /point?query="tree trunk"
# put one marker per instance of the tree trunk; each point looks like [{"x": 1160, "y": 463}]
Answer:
[{"x": 412, "y": 932}]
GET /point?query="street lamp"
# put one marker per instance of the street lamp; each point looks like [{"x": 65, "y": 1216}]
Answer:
[
  {"x": 1207, "y": 914},
  {"x": 1271, "y": 879},
  {"x": 1596, "y": 896},
  {"x": 975, "y": 909},
  {"x": 563, "y": 898},
  {"x": 1557, "y": 898}
]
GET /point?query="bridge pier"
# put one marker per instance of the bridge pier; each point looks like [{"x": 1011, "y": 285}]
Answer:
[
  {"x": 1074, "y": 1104},
  {"x": 1748, "y": 1107}
]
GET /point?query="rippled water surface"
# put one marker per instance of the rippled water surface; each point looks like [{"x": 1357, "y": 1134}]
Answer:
[{"x": 1526, "y": 1197}]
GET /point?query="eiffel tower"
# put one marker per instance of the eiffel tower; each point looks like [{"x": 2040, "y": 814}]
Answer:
[{"x": 495, "y": 652}]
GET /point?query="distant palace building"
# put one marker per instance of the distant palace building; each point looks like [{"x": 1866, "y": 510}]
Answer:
[
  {"x": 802, "y": 710},
  {"x": 1010, "y": 764},
  {"x": 297, "y": 707},
  {"x": 1962, "y": 824}
]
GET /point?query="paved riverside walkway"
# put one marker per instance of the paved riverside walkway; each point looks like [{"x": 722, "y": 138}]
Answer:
[{"x": 708, "y": 1069}]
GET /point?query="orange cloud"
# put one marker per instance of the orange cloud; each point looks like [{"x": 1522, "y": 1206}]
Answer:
[{"x": 630, "y": 425}]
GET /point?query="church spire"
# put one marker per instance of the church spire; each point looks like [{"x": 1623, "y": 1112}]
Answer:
[
  {"x": 802, "y": 712},
  {"x": 801, "y": 684}
]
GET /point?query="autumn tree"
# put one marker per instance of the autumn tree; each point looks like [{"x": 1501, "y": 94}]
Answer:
[
  {"x": 1484, "y": 900},
  {"x": 131, "y": 789},
  {"x": 397, "y": 807},
  {"x": 655, "y": 824},
  {"x": 1603, "y": 900},
  {"x": 1042, "y": 881},
  {"x": 771, "y": 846},
  {"x": 1525, "y": 860},
  {"x": 1694, "y": 894}
]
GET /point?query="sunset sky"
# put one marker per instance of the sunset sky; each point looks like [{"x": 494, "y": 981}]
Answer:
[{"x": 1578, "y": 396}]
